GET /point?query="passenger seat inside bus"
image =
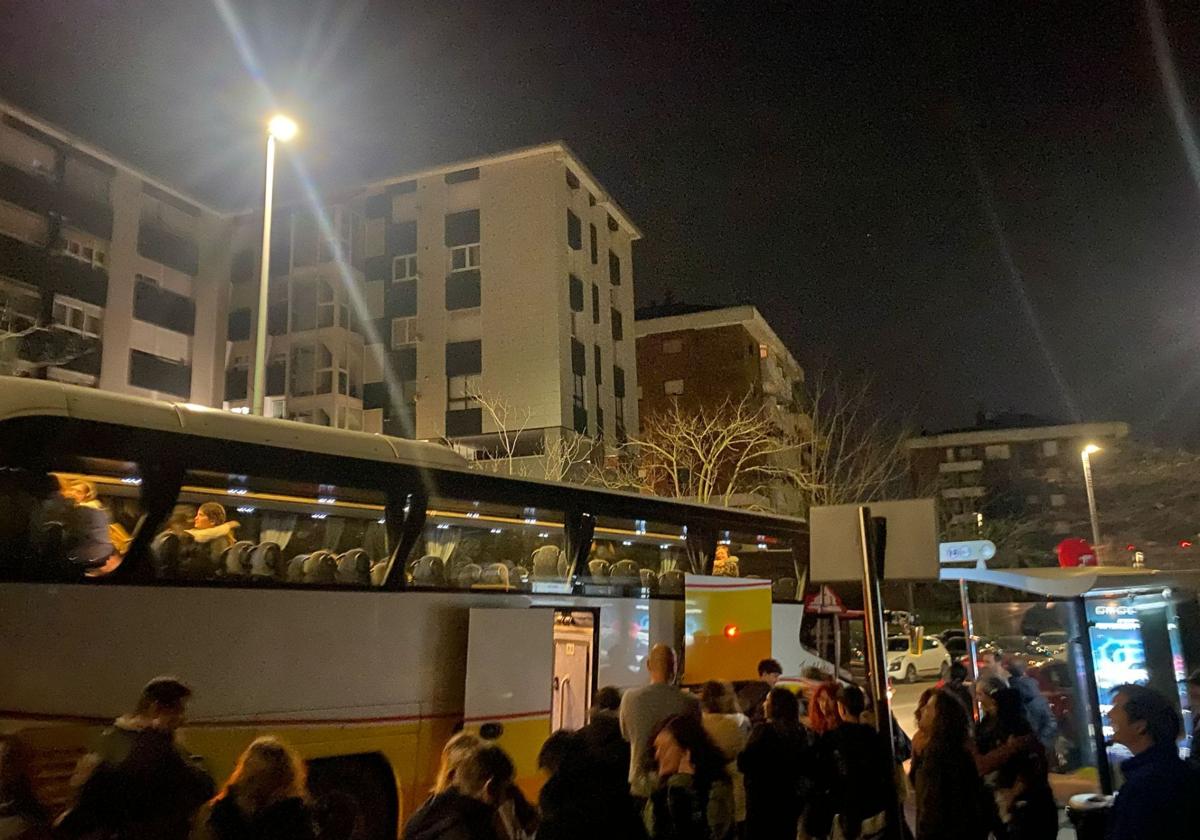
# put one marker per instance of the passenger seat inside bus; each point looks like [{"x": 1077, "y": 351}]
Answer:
[
  {"x": 320, "y": 567},
  {"x": 429, "y": 571},
  {"x": 354, "y": 568},
  {"x": 265, "y": 562},
  {"x": 670, "y": 582},
  {"x": 235, "y": 560}
]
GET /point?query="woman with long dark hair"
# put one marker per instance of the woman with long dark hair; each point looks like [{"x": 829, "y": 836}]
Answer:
[
  {"x": 264, "y": 799},
  {"x": 1024, "y": 800},
  {"x": 950, "y": 794},
  {"x": 775, "y": 765},
  {"x": 693, "y": 799}
]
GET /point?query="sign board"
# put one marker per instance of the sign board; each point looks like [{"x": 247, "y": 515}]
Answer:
[
  {"x": 825, "y": 602},
  {"x": 971, "y": 551},
  {"x": 912, "y": 541}
]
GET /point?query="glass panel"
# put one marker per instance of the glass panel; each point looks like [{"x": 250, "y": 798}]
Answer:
[
  {"x": 636, "y": 555},
  {"x": 249, "y": 529},
  {"x": 474, "y": 545},
  {"x": 73, "y": 523},
  {"x": 768, "y": 556}
]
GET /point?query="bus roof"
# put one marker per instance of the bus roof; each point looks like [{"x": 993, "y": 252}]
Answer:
[{"x": 20, "y": 397}]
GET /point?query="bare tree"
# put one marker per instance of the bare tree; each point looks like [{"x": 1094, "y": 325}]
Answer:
[
  {"x": 852, "y": 451},
  {"x": 718, "y": 455},
  {"x": 529, "y": 453}
]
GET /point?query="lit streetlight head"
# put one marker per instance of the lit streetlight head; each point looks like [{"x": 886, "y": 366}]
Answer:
[
  {"x": 282, "y": 128},
  {"x": 1091, "y": 449}
]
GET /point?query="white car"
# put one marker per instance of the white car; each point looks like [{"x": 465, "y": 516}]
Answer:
[{"x": 906, "y": 664}]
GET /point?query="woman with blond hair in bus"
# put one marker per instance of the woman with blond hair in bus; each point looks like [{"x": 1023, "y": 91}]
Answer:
[{"x": 264, "y": 799}]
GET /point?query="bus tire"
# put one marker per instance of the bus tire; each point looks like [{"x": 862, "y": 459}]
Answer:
[{"x": 367, "y": 780}]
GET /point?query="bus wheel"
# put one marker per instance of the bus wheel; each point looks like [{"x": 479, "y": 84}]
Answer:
[{"x": 357, "y": 791}]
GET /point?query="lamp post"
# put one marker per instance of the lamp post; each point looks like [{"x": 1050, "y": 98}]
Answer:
[
  {"x": 284, "y": 129},
  {"x": 1085, "y": 454}
]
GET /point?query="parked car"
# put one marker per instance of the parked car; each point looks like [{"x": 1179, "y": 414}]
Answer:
[
  {"x": 905, "y": 663},
  {"x": 1025, "y": 649}
]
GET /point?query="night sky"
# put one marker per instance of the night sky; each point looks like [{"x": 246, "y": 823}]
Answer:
[{"x": 985, "y": 207}]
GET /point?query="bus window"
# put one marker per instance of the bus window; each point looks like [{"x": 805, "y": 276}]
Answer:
[
  {"x": 74, "y": 522},
  {"x": 768, "y": 556},
  {"x": 479, "y": 545},
  {"x": 634, "y": 555},
  {"x": 250, "y": 529}
]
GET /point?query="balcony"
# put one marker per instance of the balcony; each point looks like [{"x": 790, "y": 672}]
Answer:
[
  {"x": 42, "y": 195},
  {"x": 163, "y": 308},
  {"x": 172, "y": 250},
  {"x": 53, "y": 272},
  {"x": 62, "y": 348},
  {"x": 464, "y": 422},
  {"x": 158, "y": 374}
]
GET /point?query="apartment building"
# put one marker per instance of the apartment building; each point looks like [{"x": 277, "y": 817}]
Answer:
[
  {"x": 505, "y": 280},
  {"x": 1009, "y": 467},
  {"x": 700, "y": 357},
  {"x": 108, "y": 277}
]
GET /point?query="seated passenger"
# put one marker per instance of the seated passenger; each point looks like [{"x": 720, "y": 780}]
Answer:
[
  {"x": 210, "y": 526},
  {"x": 724, "y": 564},
  {"x": 87, "y": 524}
]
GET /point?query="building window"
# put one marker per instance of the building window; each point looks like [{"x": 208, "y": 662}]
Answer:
[
  {"x": 404, "y": 332},
  {"x": 599, "y": 368},
  {"x": 612, "y": 224},
  {"x": 1057, "y": 500},
  {"x": 78, "y": 317},
  {"x": 966, "y": 453},
  {"x": 576, "y": 293},
  {"x": 595, "y": 245},
  {"x": 315, "y": 306},
  {"x": 614, "y": 269},
  {"x": 619, "y": 400},
  {"x": 155, "y": 373},
  {"x": 404, "y": 267},
  {"x": 763, "y": 351},
  {"x": 239, "y": 325},
  {"x": 577, "y": 390},
  {"x": 20, "y": 306},
  {"x": 464, "y": 257},
  {"x": 462, "y": 175},
  {"x": 671, "y": 346},
  {"x": 464, "y": 364},
  {"x": 572, "y": 180},
  {"x": 673, "y": 387},
  {"x": 313, "y": 371},
  {"x": 997, "y": 452},
  {"x": 86, "y": 252},
  {"x": 1049, "y": 448},
  {"x": 595, "y": 304},
  {"x": 618, "y": 330},
  {"x": 463, "y": 290},
  {"x": 574, "y": 232}
]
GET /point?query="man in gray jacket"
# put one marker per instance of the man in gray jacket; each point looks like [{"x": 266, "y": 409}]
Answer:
[{"x": 643, "y": 709}]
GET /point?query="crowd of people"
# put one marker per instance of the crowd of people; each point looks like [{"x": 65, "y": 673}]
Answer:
[{"x": 658, "y": 763}]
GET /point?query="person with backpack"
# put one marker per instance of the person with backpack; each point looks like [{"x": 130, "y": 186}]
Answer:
[{"x": 139, "y": 783}]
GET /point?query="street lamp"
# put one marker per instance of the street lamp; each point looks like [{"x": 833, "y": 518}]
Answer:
[
  {"x": 1085, "y": 454},
  {"x": 281, "y": 128}
]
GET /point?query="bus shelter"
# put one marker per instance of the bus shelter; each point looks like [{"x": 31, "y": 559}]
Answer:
[{"x": 1123, "y": 625}]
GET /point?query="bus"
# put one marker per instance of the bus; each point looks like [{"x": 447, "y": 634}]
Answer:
[{"x": 361, "y": 596}]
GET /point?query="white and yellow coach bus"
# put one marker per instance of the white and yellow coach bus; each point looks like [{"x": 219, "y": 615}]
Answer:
[{"x": 365, "y": 597}]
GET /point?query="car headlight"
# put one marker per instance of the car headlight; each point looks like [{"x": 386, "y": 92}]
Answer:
[{"x": 894, "y": 665}]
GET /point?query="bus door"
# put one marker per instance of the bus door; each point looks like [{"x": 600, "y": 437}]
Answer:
[
  {"x": 574, "y": 667},
  {"x": 510, "y": 683}
]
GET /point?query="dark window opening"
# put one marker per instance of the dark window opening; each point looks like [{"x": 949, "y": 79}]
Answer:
[
  {"x": 576, "y": 293},
  {"x": 595, "y": 304},
  {"x": 614, "y": 269},
  {"x": 462, "y": 175},
  {"x": 572, "y": 180},
  {"x": 239, "y": 325},
  {"x": 595, "y": 245},
  {"x": 463, "y": 290},
  {"x": 618, "y": 329},
  {"x": 574, "y": 231}
]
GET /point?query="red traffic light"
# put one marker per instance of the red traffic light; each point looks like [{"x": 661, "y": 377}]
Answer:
[
  {"x": 731, "y": 630},
  {"x": 1185, "y": 543},
  {"x": 1131, "y": 547}
]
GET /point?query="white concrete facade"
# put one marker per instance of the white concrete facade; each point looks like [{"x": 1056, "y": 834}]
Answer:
[{"x": 87, "y": 234}]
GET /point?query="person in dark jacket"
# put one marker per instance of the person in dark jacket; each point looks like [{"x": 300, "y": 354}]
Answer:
[
  {"x": 469, "y": 808},
  {"x": 140, "y": 784},
  {"x": 585, "y": 797},
  {"x": 951, "y": 798},
  {"x": 1026, "y": 807},
  {"x": 754, "y": 694},
  {"x": 264, "y": 799},
  {"x": 1159, "y": 796},
  {"x": 776, "y": 766},
  {"x": 855, "y": 777},
  {"x": 602, "y": 734},
  {"x": 1037, "y": 707},
  {"x": 89, "y": 543}
]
